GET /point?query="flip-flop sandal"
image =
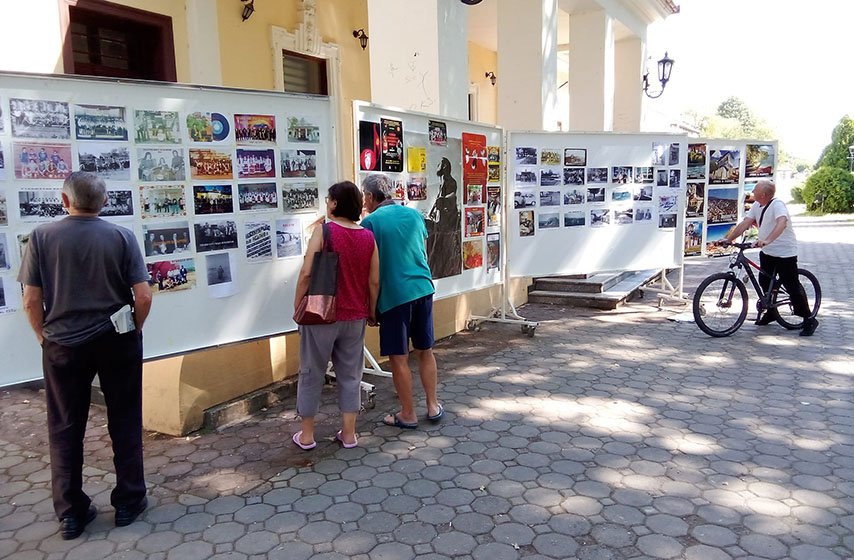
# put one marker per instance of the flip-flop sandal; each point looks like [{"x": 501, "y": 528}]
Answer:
[
  {"x": 438, "y": 416},
  {"x": 302, "y": 446},
  {"x": 344, "y": 443},
  {"x": 400, "y": 423}
]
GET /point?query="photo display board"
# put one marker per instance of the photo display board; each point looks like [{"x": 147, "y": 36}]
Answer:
[
  {"x": 219, "y": 186},
  {"x": 721, "y": 177},
  {"x": 582, "y": 203},
  {"x": 450, "y": 171}
]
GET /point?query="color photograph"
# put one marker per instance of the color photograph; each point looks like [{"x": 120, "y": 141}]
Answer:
[
  {"x": 119, "y": 204},
  {"x": 600, "y": 218},
  {"x": 621, "y": 195},
  {"x": 255, "y": 197},
  {"x": 41, "y": 161},
  {"x": 574, "y": 219},
  {"x": 575, "y": 157},
  {"x": 111, "y": 162},
  {"x": 215, "y": 235},
  {"x": 493, "y": 206},
  {"x": 256, "y": 164},
  {"x": 526, "y": 223},
  {"x": 369, "y": 146},
  {"x": 207, "y": 164},
  {"x": 172, "y": 275},
  {"x": 597, "y": 175},
  {"x": 299, "y": 198},
  {"x": 715, "y": 233},
  {"x": 693, "y": 237},
  {"x": 212, "y": 199},
  {"x": 723, "y": 206},
  {"x": 154, "y": 165},
  {"x": 696, "y": 161},
  {"x": 299, "y": 163},
  {"x": 474, "y": 194},
  {"x": 255, "y": 129},
  {"x": 668, "y": 203},
  {"x": 472, "y": 254},
  {"x": 573, "y": 196},
  {"x": 166, "y": 238},
  {"x": 157, "y": 127},
  {"x": 302, "y": 129},
  {"x": 258, "y": 241},
  {"x": 493, "y": 251},
  {"x": 207, "y": 127},
  {"x": 438, "y": 133},
  {"x": 550, "y": 156},
  {"x": 288, "y": 238},
  {"x": 724, "y": 166},
  {"x": 573, "y": 176},
  {"x": 620, "y": 175},
  {"x": 759, "y": 160},
  {"x": 162, "y": 201},
  {"x": 493, "y": 174},
  {"x": 695, "y": 197},
  {"x": 416, "y": 188},
  {"x": 475, "y": 221},
  {"x": 100, "y": 122},
  {"x": 548, "y": 220},
  {"x": 35, "y": 118}
]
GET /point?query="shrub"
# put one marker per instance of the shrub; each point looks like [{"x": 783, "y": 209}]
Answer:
[
  {"x": 798, "y": 195},
  {"x": 836, "y": 187}
]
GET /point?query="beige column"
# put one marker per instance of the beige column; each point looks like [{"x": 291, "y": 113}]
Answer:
[
  {"x": 591, "y": 71},
  {"x": 203, "y": 43},
  {"x": 628, "y": 97}
]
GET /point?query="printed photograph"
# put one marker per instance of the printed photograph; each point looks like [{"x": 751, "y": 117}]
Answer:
[
  {"x": 675, "y": 179},
  {"x": 549, "y": 198},
  {"x": 674, "y": 154},
  {"x": 493, "y": 251},
  {"x": 623, "y": 217},
  {"x": 299, "y": 163},
  {"x": 644, "y": 175},
  {"x": 256, "y": 164},
  {"x": 212, "y": 199},
  {"x": 258, "y": 241},
  {"x": 302, "y": 129},
  {"x": 207, "y": 164},
  {"x": 41, "y": 161},
  {"x": 668, "y": 203},
  {"x": 258, "y": 197},
  {"x": 162, "y": 201},
  {"x": 218, "y": 269},
  {"x": 597, "y": 175},
  {"x": 110, "y": 161},
  {"x": 399, "y": 190},
  {"x": 574, "y": 219},
  {"x": 621, "y": 175},
  {"x": 5, "y": 254},
  {"x": 524, "y": 199},
  {"x": 255, "y": 129},
  {"x": 493, "y": 206},
  {"x": 4, "y": 212},
  {"x": 475, "y": 221},
  {"x": 666, "y": 221},
  {"x": 493, "y": 174},
  {"x": 526, "y": 223},
  {"x": 416, "y": 188},
  {"x": 696, "y": 194},
  {"x": 643, "y": 193},
  {"x": 696, "y": 161},
  {"x": 759, "y": 160},
  {"x": 3, "y": 303},
  {"x": 717, "y": 233},
  {"x": 299, "y": 198},
  {"x": 207, "y": 127},
  {"x": 596, "y": 194},
  {"x": 2, "y": 164},
  {"x": 693, "y": 237},
  {"x": 35, "y": 118},
  {"x": 23, "y": 241},
  {"x": 573, "y": 176},
  {"x": 575, "y": 157},
  {"x": 40, "y": 204},
  {"x": 166, "y": 238},
  {"x": 573, "y": 196},
  {"x": 723, "y": 206},
  {"x": 643, "y": 214},
  {"x": 172, "y": 275},
  {"x": 370, "y": 147},
  {"x": 438, "y": 132},
  {"x": 119, "y": 204},
  {"x": 288, "y": 238},
  {"x": 526, "y": 178},
  {"x": 474, "y": 194},
  {"x": 215, "y": 235},
  {"x": 416, "y": 159},
  {"x": 493, "y": 155},
  {"x": 550, "y": 156},
  {"x": 157, "y": 127},
  {"x": 621, "y": 195},
  {"x": 526, "y": 156},
  {"x": 548, "y": 220},
  {"x": 154, "y": 165},
  {"x": 600, "y": 218},
  {"x": 661, "y": 178},
  {"x": 549, "y": 177},
  {"x": 724, "y": 166},
  {"x": 100, "y": 122},
  {"x": 659, "y": 154},
  {"x": 472, "y": 254}
]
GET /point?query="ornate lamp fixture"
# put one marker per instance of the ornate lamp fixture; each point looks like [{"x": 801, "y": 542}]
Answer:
[
  {"x": 665, "y": 66},
  {"x": 362, "y": 37},
  {"x": 491, "y": 76},
  {"x": 248, "y": 9}
]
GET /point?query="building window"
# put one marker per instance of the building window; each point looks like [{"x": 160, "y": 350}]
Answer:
[
  {"x": 105, "y": 39},
  {"x": 304, "y": 73}
]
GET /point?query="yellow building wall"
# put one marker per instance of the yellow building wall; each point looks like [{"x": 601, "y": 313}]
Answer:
[{"x": 481, "y": 61}]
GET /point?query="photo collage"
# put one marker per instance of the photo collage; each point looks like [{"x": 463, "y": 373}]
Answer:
[
  {"x": 557, "y": 188},
  {"x": 188, "y": 184}
]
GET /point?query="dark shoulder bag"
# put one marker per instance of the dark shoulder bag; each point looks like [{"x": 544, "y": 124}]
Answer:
[
  {"x": 317, "y": 307},
  {"x": 762, "y": 215}
]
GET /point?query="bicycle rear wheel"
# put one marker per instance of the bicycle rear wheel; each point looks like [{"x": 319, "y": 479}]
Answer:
[
  {"x": 720, "y": 304},
  {"x": 786, "y": 314}
]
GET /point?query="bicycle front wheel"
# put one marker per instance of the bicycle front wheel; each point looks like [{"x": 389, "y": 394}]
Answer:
[
  {"x": 720, "y": 304},
  {"x": 812, "y": 290}
]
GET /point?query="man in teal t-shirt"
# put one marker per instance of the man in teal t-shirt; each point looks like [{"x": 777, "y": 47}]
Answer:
[{"x": 405, "y": 304}]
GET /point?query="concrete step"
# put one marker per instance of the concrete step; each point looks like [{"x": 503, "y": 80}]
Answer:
[
  {"x": 611, "y": 298},
  {"x": 590, "y": 284}
]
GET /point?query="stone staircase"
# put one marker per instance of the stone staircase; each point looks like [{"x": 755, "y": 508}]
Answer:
[{"x": 604, "y": 290}]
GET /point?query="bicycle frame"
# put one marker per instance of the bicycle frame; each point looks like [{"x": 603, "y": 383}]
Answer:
[{"x": 742, "y": 262}]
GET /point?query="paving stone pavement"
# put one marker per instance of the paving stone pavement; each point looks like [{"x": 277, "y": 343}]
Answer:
[{"x": 609, "y": 435}]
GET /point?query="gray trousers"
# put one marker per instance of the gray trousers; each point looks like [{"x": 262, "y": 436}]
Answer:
[{"x": 343, "y": 341}]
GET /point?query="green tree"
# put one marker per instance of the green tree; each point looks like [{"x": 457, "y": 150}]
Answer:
[
  {"x": 835, "y": 154},
  {"x": 735, "y": 108},
  {"x": 733, "y": 119},
  {"x": 835, "y": 187}
]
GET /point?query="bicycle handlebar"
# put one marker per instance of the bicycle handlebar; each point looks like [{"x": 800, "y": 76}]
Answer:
[{"x": 738, "y": 245}]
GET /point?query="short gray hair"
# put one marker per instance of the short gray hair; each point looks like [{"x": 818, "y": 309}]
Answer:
[
  {"x": 768, "y": 186},
  {"x": 378, "y": 186},
  {"x": 85, "y": 191}
]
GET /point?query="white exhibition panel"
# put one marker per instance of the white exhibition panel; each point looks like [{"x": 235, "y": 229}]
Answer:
[
  {"x": 415, "y": 134},
  {"x": 588, "y": 248},
  {"x": 258, "y": 299}
]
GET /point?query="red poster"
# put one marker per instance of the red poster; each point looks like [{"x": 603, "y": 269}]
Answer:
[{"x": 474, "y": 163}]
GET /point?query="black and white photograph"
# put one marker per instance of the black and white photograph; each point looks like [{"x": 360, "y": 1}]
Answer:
[
  {"x": 303, "y": 129},
  {"x": 659, "y": 153},
  {"x": 573, "y": 196},
  {"x": 166, "y": 238},
  {"x": 574, "y": 219},
  {"x": 155, "y": 165},
  {"x": 550, "y": 156},
  {"x": 642, "y": 193},
  {"x": 621, "y": 174},
  {"x": 221, "y": 269},
  {"x": 549, "y": 198},
  {"x": 35, "y": 118},
  {"x": 661, "y": 179},
  {"x": 288, "y": 238},
  {"x": 575, "y": 157},
  {"x": 549, "y": 177},
  {"x": 526, "y": 156},
  {"x": 596, "y": 194},
  {"x": 157, "y": 127},
  {"x": 257, "y": 197},
  {"x": 643, "y": 214},
  {"x": 299, "y": 163},
  {"x": 215, "y": 235},
  {"x": 623, "y": 217},
  {"x": 3, "y": 303},
  {"x": 674, "y": 154},
  {"x": 526, "y": 177},
  {"x": 695, "y": 200},
  {"x": 597, "y": 175},
  {"x": 524, "y": 199},
  {"x": 212, "y": 199},
  {"x": 600, "y": 218},
  {"x": 644, "y": 175},
  {"x": 675, "y": 178},
  {"x": 573, "y": 175},
  {"x": 119, "y": 204},
  {"x": 526, "y": 223},
  {"x": 40, "y": 204},
  {"x": 299, "y": 197},
  {"x": 667, "y": 220},
  {"x": 621, "y": 195},
  {"x": 162, "y": 201},
  {"x": 548, "y": 220},
  {"x": 100, "y": 122},
  {"x": 111, "y": 162},
  {"x": 5, "y": 254},
  {"x": 4, "y": 212},
  {"x": 258, "y": 240}
]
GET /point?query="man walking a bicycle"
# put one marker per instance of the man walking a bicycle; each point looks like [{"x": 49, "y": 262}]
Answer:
[{"x": 779, "y": 254}]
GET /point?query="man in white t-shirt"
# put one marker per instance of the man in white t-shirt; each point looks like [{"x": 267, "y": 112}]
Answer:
[{"x": 779, "y": 251}]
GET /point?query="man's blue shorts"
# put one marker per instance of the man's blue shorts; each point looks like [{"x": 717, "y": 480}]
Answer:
[{"x": 413, "y": 319}]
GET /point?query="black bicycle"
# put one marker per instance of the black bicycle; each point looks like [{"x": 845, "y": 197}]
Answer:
[{"x": 720, "y": 302}]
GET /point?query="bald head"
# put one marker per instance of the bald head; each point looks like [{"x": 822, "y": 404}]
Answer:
[{"x": 764, "y": 191}]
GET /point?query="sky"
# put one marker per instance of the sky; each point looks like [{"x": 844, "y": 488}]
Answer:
[{"x": 789, "y": 60}]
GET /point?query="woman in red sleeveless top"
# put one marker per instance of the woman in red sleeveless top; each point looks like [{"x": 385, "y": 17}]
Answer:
[{"x": 356, "y": 302}]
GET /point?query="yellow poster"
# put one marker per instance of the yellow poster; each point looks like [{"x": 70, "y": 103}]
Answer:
[{"x": 416, "y": 159}]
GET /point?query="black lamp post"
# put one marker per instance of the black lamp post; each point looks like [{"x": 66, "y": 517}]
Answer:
[
  {"x": 248, "y": 9},
  {"x": 665, "y": 66},
  {"x": 362, "y": 37}
]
